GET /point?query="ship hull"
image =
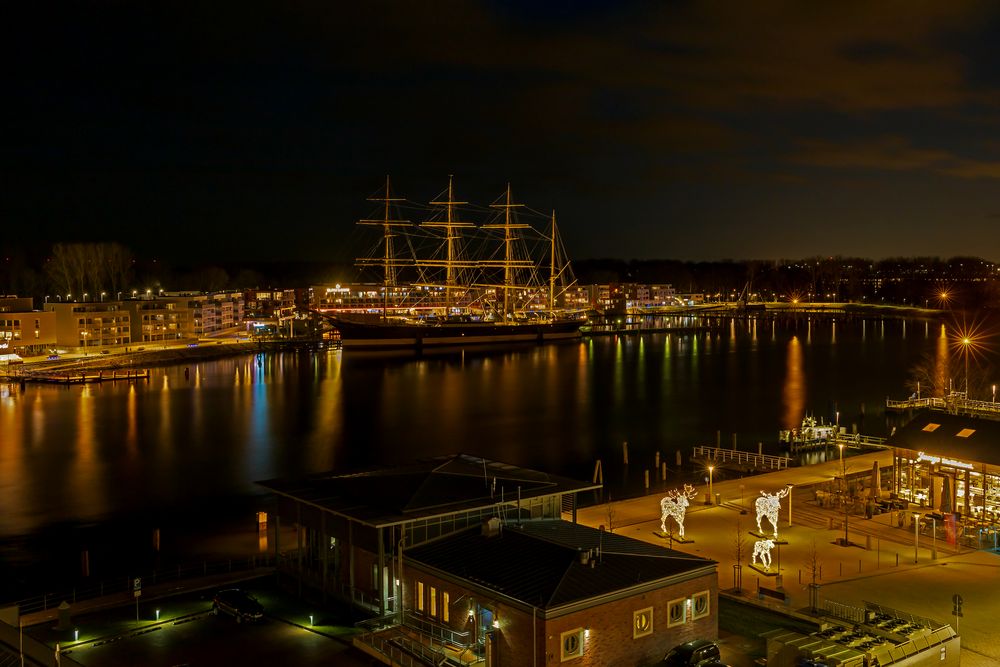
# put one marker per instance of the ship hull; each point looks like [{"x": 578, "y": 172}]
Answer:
[{"x": 380, "y": 335}]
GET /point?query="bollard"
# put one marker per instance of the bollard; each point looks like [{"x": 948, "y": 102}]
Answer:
[
  {"x": 897, "y": 559},
  {"x": 663, "y": 473},
  {"x": 625, "y": 452},
  {"x": 646, "y": 475},
  {"x": 657, "y": 460}
]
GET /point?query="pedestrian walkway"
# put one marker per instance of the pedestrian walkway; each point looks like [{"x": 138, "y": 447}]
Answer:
[{"x": 878, "y": 561}]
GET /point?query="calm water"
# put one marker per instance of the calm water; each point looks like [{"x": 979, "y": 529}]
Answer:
[{"x": 191, "y": 442}]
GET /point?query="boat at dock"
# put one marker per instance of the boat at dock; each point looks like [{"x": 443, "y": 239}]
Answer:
[
  {"x": 448, "y": 282},
  {"x": 810, "y": 434}
]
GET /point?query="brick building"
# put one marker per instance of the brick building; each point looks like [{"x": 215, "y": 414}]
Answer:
[{"x": 552, "y": 592}]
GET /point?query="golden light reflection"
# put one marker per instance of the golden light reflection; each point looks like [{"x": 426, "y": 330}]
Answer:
[
  {"x": 941, "y": 359},
  {"x": 793, "y": 394},
  {"x": 833, "y": 333},
  {"x": 132, "y": 426}
]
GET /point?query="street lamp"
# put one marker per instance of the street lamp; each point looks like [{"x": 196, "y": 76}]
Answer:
[
  {"x": 103, "y": 294},
  {"x": 965, "y": 346},
  {"x": 711, "y": 497},
  {"x": 994, "y": 386},
  {"x": 916, "y": 534},
  {"x": 843, "y": 469},
  {"x": 85, "y": 297}
]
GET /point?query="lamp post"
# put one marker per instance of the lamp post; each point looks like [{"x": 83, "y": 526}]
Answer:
[
  {"x": 790, "y": 505},
  {"x": 103, "y": 294},
  {"x": 933, "y": 538},
  {"x": 843, "y": 470},
  {"x": 916, "y": 534},
  {"x": 711, "y": 496},
  {"x": 965, "y": 347},
  {"x": 994, "y": 387}
]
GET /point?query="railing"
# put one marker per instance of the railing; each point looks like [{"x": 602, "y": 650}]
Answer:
[
  {"x": 438, "y": 631},
  {"x": 740, "y": 457},
  {"x": 124, "y": 583},
  {"x": 954, "y": 403},
  {"x": 857, "y": 441},
  {"x": 403, "y": 651}
]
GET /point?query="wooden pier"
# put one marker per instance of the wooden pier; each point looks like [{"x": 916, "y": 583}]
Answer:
[
  {"x": 739, "y": 459},
  {"x": 79, "y": 377}
]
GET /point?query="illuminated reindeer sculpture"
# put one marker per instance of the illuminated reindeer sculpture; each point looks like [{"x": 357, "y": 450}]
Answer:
[
  {"x": 675, "y": 504},
  {"x": 768, "y": 506},
  {"x": 762, "y": 548}
]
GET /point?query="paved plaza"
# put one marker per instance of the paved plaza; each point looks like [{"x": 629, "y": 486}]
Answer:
[{"x": 877, "y": 565}]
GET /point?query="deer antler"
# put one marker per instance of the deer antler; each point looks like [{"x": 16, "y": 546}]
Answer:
[{"x": 690, "y": 491}]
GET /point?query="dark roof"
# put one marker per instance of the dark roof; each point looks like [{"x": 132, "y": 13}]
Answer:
[
  {"x": 982, "y": 445},
  {"x": 538, "y": 562},
  {"x": 428, "y": 487}
]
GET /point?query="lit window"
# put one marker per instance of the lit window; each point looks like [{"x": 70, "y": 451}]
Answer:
[
  {"x": 642, "y": 622},
  {"x": 676, "y": 612},
  {"x": 965, "y": 432},
  {"x": 700, "y": 605},
  {"x": 571, "y": 644},
  {"x": 420, "y": 596},
  {"x": 434, "y": 601},
  {"x": 930, "y": 428},
  {"x": 445, "y": 602}
]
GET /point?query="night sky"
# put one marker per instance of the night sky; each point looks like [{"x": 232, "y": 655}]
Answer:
[{"x": 213, "y": 130}]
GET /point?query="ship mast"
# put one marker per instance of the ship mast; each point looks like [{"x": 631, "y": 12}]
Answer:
[
  {"x": 508, "y": 240},
  {"x": 389, "y": 262},
  {"x": 552, "y": 270},
  {"x": 450, "y": 226}
]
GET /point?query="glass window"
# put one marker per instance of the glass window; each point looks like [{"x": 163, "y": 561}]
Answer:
[
  {"x": 676, "y": 612},
  {"x": 700, "y": 605},
  {"x": 930, "y": 428},
  {"x": 434, "y": 600},
  {"x": 445, "y": 602},
  {"x": 571, "y": 644},
  {"x": 420, "y": 596},
  {"x": 642, "y": 622},
  {"x": 965, "y": 432}
]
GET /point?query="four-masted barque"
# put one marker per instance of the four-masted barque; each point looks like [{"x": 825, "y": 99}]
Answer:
[{"x": 447, "y": 281}]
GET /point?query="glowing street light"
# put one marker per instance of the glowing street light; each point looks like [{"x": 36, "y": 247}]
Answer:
[
  {"x": 965, "y": 346},
  {"x": 916, "y": 534},
  {"x": 711, "y": 496}
]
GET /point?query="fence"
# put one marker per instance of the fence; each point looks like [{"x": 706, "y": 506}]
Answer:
[{"x": 124, "y": 584}]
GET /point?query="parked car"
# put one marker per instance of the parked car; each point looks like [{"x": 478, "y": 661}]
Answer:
[
  {"x": 239, "y": 604},
  {"x": 695, "y": 653}
]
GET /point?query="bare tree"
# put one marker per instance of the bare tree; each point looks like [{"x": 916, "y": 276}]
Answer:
[
  {"x": 814, "y": 569},
  {"x": 88, "y": 268},
  {"x": 739, "y": 553}
]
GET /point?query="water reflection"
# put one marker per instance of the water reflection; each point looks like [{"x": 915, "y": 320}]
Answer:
[
  {"x": 178, "y": 441},
  {"x": 793, "y": 394},
  {"x": 942, "y": 373}
]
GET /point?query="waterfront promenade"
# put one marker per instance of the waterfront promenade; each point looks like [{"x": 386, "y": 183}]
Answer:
[{"x": 877, "y": 565}]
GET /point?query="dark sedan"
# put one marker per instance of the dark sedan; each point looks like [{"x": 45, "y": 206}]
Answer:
[{"x": 237, "y": 603}]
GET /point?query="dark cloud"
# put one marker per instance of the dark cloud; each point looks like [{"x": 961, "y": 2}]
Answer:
[{"x": 674, "y": 119}]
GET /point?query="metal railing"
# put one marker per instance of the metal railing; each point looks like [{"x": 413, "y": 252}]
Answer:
[
  {"x": 438, "y": 631},
  {"x": 740, "y": 457},
  {"x": 123, "y": 584}
]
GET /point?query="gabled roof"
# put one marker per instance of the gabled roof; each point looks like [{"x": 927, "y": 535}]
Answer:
[
  {"x": 538, "y": 562},
  {"x": 428, "y": 487},
  {"x": 937, "y": 434}
]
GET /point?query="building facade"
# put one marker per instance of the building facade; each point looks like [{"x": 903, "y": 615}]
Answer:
[
  {"x": 91, "y": 326},
  {"x": 23, "y": 331}
]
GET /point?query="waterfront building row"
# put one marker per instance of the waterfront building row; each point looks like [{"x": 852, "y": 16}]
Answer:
[
  {"x": 95, "y": 326},
  {"x": 417, "y": 299}
]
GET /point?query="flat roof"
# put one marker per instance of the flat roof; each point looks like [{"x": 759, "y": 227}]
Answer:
[
  {"x": 970, "y": 439},
  {"x": 436, "y": 486},
  {"x": 538, "y": 562}
]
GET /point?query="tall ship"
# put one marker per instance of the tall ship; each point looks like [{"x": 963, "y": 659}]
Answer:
[{"x": 447, "y": 281}]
